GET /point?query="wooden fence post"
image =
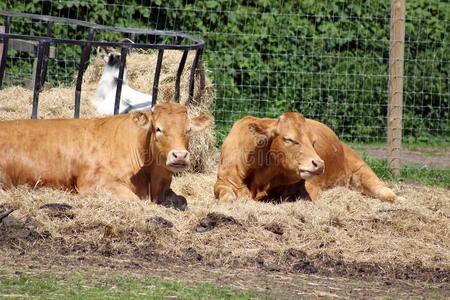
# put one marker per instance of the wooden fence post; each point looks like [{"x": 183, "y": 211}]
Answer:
[{"x": 396, "y": 63}]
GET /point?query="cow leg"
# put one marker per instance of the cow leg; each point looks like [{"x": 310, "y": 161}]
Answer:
[
  {"x": 224, "y": 192},
  {"x": 159, "y": 186},
  {"x": 231, "y": 189},
  {"x": 161, "y": 193},
  {"x": 173, "y": 200},
  {"x": 313, "y": 190},
  {"x": 3, "y": 181},
  {"x": 368, "y": 183},
  {"x": 121, "y": 191},
  {"x": 109, "y": 185}
]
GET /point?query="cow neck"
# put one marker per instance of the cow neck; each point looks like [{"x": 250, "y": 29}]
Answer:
[
  {"x": 129, "y": 138},
  {"x": 264, "y": 175},
  {"x": 153, "y": 160},
  {"x": 137, "y": 158},
  {"x": 270, "y": 175},
  {"x": 147, "y": 163}
]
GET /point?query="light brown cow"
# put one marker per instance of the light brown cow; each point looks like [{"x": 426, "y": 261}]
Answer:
[
  {"x": 290, "y": 156},
  {"x": 131, "y": 156}
]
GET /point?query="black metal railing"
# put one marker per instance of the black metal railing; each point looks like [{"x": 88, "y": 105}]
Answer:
[{"x": 191, "y": 43}]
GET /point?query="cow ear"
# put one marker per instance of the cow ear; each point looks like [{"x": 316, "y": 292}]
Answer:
[
  {"x": 140, "y": 119},
  {"x": 201, "y": 122},
  {"x": 301, "y": 117},
  {"x": 298, "y": 117},
  {"x": 261, "y": 131}
]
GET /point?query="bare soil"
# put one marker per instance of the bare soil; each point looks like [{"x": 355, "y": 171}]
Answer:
[{"x": 436, "y": 158}]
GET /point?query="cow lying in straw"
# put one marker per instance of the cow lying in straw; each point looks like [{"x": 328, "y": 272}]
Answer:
[
  {"x": 290, "y": 156},
  {"x": 132, "y": 156},
  {"x": 105, "y": 94}
]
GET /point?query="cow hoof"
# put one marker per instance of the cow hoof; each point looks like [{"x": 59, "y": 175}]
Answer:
[
  {"x": 400, "y": 199},
  {"x": 386, "y": 194},
  {"x": 227, "y": 196}
]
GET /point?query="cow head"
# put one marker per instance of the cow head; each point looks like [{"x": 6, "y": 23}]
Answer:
[
  {"x": 170, "y": 128},
  {"x": 291, "y": 145}
]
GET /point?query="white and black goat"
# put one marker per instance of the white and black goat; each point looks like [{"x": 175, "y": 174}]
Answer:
[{"x": 105, "y": 95}]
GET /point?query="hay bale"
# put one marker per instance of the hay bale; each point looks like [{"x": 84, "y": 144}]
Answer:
[
  {"x": 16, "y": 102},
  {"x": 141, "y": 69}
]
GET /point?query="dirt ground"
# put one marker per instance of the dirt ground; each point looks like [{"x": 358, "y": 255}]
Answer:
[
  {"x": 268, "y": 284},
  {"x": 434, "y": 158},
  {"x": 344, "y": 245}
]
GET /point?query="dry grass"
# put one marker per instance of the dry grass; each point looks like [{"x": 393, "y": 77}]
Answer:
[
  {"x": 342, "y": 225},
  {"x": 16, "y": 102}
]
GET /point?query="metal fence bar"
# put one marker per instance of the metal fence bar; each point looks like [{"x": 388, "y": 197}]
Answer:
[
  {"x": 123, "y": 61},
  {"x": 395, "y": 105},
  {"x": 179, "y": 72},
  {"x": 46, "y": 56},
  {"x": 43, "y": 52},
  {"x": 198, "y": 53},
  {"x": 83, "y": 64},
  {"x": 156, "y": 77}
]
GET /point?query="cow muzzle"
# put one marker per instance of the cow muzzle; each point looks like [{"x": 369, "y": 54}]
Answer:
[
  {"x": 315, "y": 168},
  {"x": 177, "y": 160}
]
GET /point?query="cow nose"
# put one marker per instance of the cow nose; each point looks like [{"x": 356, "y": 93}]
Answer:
[
  {"x": 318, "y": 166},
  {"x": 180, "y": 154}
]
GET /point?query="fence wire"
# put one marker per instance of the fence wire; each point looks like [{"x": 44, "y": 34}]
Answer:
[{"x": 326, "y": 59}]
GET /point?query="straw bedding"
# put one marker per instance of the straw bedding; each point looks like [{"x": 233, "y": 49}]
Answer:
[{"x": 341, "y": 226}]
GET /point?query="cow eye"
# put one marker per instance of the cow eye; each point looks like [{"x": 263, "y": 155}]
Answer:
[
  {"x": 158, "y": 130},
  {"x": 289, "y": 141}
]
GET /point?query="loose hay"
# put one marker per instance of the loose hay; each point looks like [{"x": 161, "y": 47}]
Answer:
[
  {"x": 342, "y": 226},
  {"x": 16, "y": 102}
]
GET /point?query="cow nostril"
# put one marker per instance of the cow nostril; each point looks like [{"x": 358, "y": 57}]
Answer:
[
  {"x": 177, "y": 155},
  {"x": 318, "y": 165}
]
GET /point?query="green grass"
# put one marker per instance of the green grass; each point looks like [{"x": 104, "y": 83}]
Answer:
[
  {"x": 77, "y": 286},
  {"x": 430, "y": 147},
  {"x": 424, "y": 175}
]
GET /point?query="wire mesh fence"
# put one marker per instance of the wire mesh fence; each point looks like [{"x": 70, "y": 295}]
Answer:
[{"x": 326, "y": 59}]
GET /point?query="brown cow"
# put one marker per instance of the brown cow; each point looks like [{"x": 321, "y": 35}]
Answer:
[
  {"x": 290, "y": 156},
  {"x": 131, "y": 156}
]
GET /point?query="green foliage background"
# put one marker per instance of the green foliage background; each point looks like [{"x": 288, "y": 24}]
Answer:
[{"x": 326, "y": 59}]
